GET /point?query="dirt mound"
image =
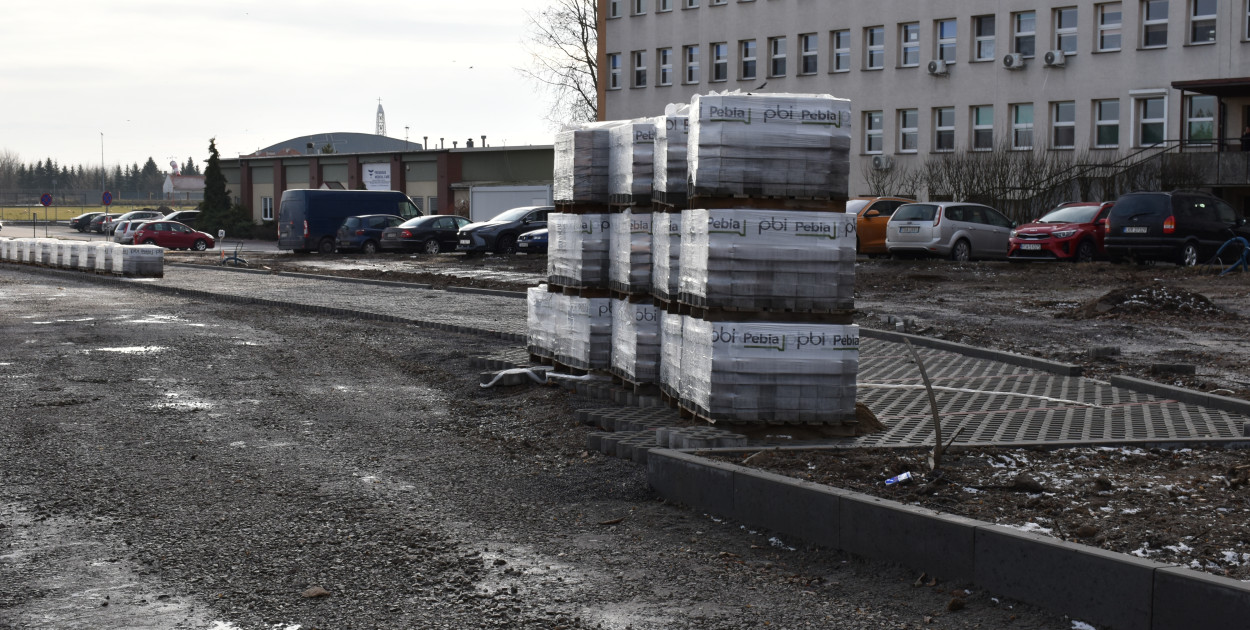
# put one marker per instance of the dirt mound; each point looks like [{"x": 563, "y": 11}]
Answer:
[{"x": 1148, "y": 300}]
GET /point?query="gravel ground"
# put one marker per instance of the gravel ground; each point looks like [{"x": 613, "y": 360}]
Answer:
[{"x": 178, "y": 463}]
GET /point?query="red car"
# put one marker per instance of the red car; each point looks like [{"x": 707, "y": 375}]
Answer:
[
  {"x": 172, "y": 235},
  {"x": 1073, "y": 231}
]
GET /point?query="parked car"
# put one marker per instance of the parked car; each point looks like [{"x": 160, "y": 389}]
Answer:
[
  {"x": 429, "y": 234},
  {"x": 871, "y": 216},
  {"x": 1073, "y": 231},
  {"x": 185, "y": 217},
  {"x": 1183, "y": 226},
  {"x": 83, "y": 221},
  {"x": 534, "y": 242},
  {"x": 310, "y": 219},
  {"x": 124, "y": 231},
  {"x": 963, "y": 231},
  {"x": 146, "y": 215},
  {"x": 499, "y": 234},
  {"x": 173, "y": 235},
  {"x": 364, "y": 232},
  {"x": 100, "y": 222}
]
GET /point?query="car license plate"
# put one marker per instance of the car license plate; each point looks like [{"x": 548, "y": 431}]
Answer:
[
  {"x": 909, "y": 229},
  {"x": 522, "y": 245},
  {"x": 465, "y": 241},
  {"x": 1135, "y": 229},
  {"x": 1030, "y": 246}
]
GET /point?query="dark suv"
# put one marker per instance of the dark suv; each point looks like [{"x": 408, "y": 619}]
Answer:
[
  {"x": 1182, "y": 226},
  {"x": 499, "y": 234}
]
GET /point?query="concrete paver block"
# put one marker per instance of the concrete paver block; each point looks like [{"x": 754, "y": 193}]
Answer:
[
  {"x": 936, "y": 543},
  {"x": 1185, "y": 599}
]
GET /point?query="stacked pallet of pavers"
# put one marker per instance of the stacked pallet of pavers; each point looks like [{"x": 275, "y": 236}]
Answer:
[
  {"x": 767, "y": 262},
  {"x": 669, "y": 199}
]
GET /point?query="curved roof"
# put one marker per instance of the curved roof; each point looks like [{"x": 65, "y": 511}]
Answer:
[{"x": 343, "y": 142}]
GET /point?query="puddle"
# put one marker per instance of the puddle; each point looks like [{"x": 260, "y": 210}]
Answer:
[
  {"x": 130, "y": 349},
  {"x": 162, "y": 319}
]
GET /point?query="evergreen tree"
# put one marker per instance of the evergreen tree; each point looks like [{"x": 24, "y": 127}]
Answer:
[
  {"x": 216, "y": 213},
  {"x": 190, "y": 168},
  {"x": 151, "y": 181}
]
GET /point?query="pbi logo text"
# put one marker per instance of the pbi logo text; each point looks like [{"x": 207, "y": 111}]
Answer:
[
  {"x": 724, "y": 335},
  {"x": 678, "y": 124},
  {"x": 646, "y": 316},
  {"x": 773, "y": 224}
]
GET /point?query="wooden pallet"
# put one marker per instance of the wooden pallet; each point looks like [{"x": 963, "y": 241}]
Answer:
[
  {"x": 539, "y": 359},
  {"x": 582, "y": 207},
  {"x": 630, "y": 201},
  {"x": 621, "y": 291},
  {"x": 779, "y": 316},
  {"x": 568, "y": 369},
  {"x": 582, "y": 292},
  {"x": 826, "y": 429},
  {"x": 665, "y": 202},
  {"x": 806, "y": 204},
  {"x": 636, "y": 387}
]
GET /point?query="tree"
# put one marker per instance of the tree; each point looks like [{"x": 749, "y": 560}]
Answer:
[
  {"x": 563, "y": 45},
  {"x": 215, "y": 208},
  {"x": 151, "y": 181},
  {"x": 190, "y": 168}
]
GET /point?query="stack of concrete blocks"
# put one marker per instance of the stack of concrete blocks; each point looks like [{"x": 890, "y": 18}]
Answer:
[
  {"x": 146, "y": 261},
  {"x": 631, "y": 169},
  {"x": 78, "y": 255},
  {"x": 584, "y": 339},
  {"x": 631, "y": 161},
  {"x": 630, "y": 251},
  {"x": 635, "y": 341},
  {"x": 671, "y": 326},
  {"x": 581, "y": 163},
  {"x": 47, "y": 252},
  {"x": 578, "y": 249},
  {"x": 672, "y": 133},
  {"x": 104, "y": 257},
  {"x": 541, "y": 309},
  {"x": 87, "y": 257},
  {"x": 69, "y": 255},
  {"x": 4, "y": 248}
]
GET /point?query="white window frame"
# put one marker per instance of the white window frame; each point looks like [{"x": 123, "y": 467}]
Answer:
[
  {"x": 909, "y": 45},
  {"x": 720, "y": 62},
  {"x": 1191, "y": 119},
  {"x": 1205, "y": 21},
  {"x": 1100, "y": 122},
  {"x": 874, "y": 50},
  {"x": 1019, "y": 34},
  {"x": 945, "y": 48},
  {"x": 978, "y": 127},
  {"x": 639, "y": 7},
  {"x": 614, "y": 71},
  {"x": 716, "y": 3},
  {"x": 777, "y": 56},
  {"x": 1147, "y": 23},
  {"x": 840, "y": 48},
  {"x": 1065, "y": 34},
  {"x": 872, "y": 133},
  {"x": 690, "y": 4},
  {"x": 1108, "y": 29},
  {"x": 664, "y": 60},
  {"x": 1067, "y": 124},
  {"x": 809, "y": 54},
  {"x": 690, "y": 64},
  {"x": 908, "y": 130},
  {"x": 1245, "y": 22},
  {"x": 943, "y": 131},
  {"x": 1019, "y": 128},
  {"x": 614, "y": 9},
  {"x": 983, "y": 43},
  {"x": 266, "y": 208},
  {"x": 639, "y": 71},
  {"x": 664, "y": 6},
  {"x": 1140, "y": 102},
  {"x": 748, "y": 57}
]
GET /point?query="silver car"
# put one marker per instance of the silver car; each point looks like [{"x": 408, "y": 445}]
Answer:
[
  {"x": 957, "y": 229},
  {"x": 125, "y": 231}
]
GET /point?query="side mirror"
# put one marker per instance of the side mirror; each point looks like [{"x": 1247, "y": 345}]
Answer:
[{"x": 872, "y": 213}]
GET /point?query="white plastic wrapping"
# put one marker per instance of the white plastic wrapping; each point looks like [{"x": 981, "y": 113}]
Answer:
[
  {"x": 580, "y": 172},
  {"x": 584, "y": 335},
  {"x": 666, "y": 255},
  {"x": 579, "y": 249},
  {"x": 4, "y": 248},
  {"x": 47, "y": 252},
  {"x": 769, "y": 372},
  {"x": 143, "y": 260},
  {"x": 541, "y": 321},
  {"x": 745, "y": 259},
  {"x": 104, "y": 257},
  {"x": 793, "y": 145},
  {"x": 629, "y": 268},
  {"x": 631, "y": 162},
  {"x": 74, "y": 256},
  {"x": 670, "y": 353},
  {"x": 672, "y": 133},
  {"x": 635, "y": 341}
]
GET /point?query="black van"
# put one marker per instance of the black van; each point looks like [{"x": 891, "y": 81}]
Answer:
[
  {"x": 1182, "y": 226},
  {"x": 309, "y": 219}
]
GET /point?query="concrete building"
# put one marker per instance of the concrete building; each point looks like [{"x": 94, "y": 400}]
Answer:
[
  {"x": 1101, "y": 81},
  {"x": 183, "y": 187}
]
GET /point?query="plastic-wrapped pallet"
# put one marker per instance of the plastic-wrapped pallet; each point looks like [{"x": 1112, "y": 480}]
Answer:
[
  {"x": 578, "y": 250},
  {"x": 86, "y": 257},
  {"x": 789, "y": 145},
  {"x": 672, "y": 132},
  {"x": 60, "y": 253},
  {"x": 666, "y": 255},
  {"x": 670, "y": 353},
  {"x": 541, "y": 307},
  {"x": 146, "y": 261},
  {"x": 120, "y": 254},
  {"x": 104, "y": 257},
  {"x": 756, "y": 260},
  {"x": 69, "y": 255},
  {"x": 580, "y": 172},
  {"x": 4, "y": 248},
  {"x": 631, "y": 161},
  {"x": 629, "y": 268},
  {"x": 584, "y": 336},
  {"x": 635, "y": 341},
  {"x": 47, "y": 252},
  {"x": 770, "y": 372},
  {"x": 18, "y": 253}
]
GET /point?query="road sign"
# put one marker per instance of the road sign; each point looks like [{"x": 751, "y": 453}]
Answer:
[
  {"x": 108, "y": 198},
  {"x": 45, "y": 199}
]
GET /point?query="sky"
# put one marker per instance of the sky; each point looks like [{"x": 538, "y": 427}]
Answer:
[{"x": 139, "y": 78}]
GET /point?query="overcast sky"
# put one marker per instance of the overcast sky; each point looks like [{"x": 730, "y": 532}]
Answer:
[{"x": 160, "y": 78}]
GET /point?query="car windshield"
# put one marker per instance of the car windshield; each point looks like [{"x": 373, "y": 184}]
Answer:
[
  {"x": 853, "y": 206},
  {"x": 419, "y": 222},
  {"x": 515, "y": 214},
  {"x": 1071, "y": 214},
  {"x": 915, "y": 212}
]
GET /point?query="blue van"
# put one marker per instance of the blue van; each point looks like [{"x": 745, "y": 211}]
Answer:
[{"x": 309, "y": 219}]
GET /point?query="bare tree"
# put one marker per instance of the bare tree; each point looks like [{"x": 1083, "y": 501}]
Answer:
[{"x": 563, "y": 45}]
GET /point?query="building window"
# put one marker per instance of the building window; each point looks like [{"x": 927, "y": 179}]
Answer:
[
  {"x": 841, "y": 41},
  {"x": 266, "y": 208},
  {"x": 614, "y": 9},
  {"x": 983, "y": 32},
  {"x": 1109, "y": 26},
  {"x": 640, "y": 7},
  {"x": 983, "y": 128},
  {"x": 909, "y": 45},
  {"x": 1107, "y": 123},
  {"x": 1065, "y": 30},
  {"x": 1022, "y": 126},
  {"x": 691, "y": 4},
  {"x": 691, "y": 55},
  {"x": 664, "y": 59},
  {"x": 614, "y": 71},
  {"x": 718, "y": 2},
  {"x": 1063, "y": 125},
  {"x": 747, "y": 54},
  {"x": 640, "y": 68},
  {"x": 1152, "y": 123},
  {"x": 1200, "y": 119},
  {"x": 1154, "y": 23},
  {"x": 908, "y": 130},
  {"x": 776, "y": 56},
  {"x": 1024, "y": 33},
  {"x": 1247, "y": 20},
  {"x": 664, "y": 6},
  {"x": 873, "y": 127},
  {"x": 1202, "y": 21},
  {"x": 944, "y": 129},
  {"x": 809, "y": 47},
  {"x": 874, "y": 47},
  {"x": 720, "y": 61},
  {"x": 946, "y": 31}
]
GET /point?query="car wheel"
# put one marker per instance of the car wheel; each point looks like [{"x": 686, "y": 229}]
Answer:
[
  {"x": 369, "y": 247},
  {"x": 1085, "y": 252},
  {"x": 1189, "y": 255},
  {"x": 149, "y": 242},
  {"x": 430, "y": 246},
  {"x": 200, "y": 245},
  {"x": 961, "y": 252},
  {"x": 506, "y": 245},
  {"x": 326, "y": 246}
]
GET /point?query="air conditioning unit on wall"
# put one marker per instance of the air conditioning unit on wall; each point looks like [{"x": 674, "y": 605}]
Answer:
[
  {"x": 937, "y": 67},
  {"x": 1014, "y": 61},
  {"x": 882, "y": 162},
  {"x": 1054, "y": 58}
]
